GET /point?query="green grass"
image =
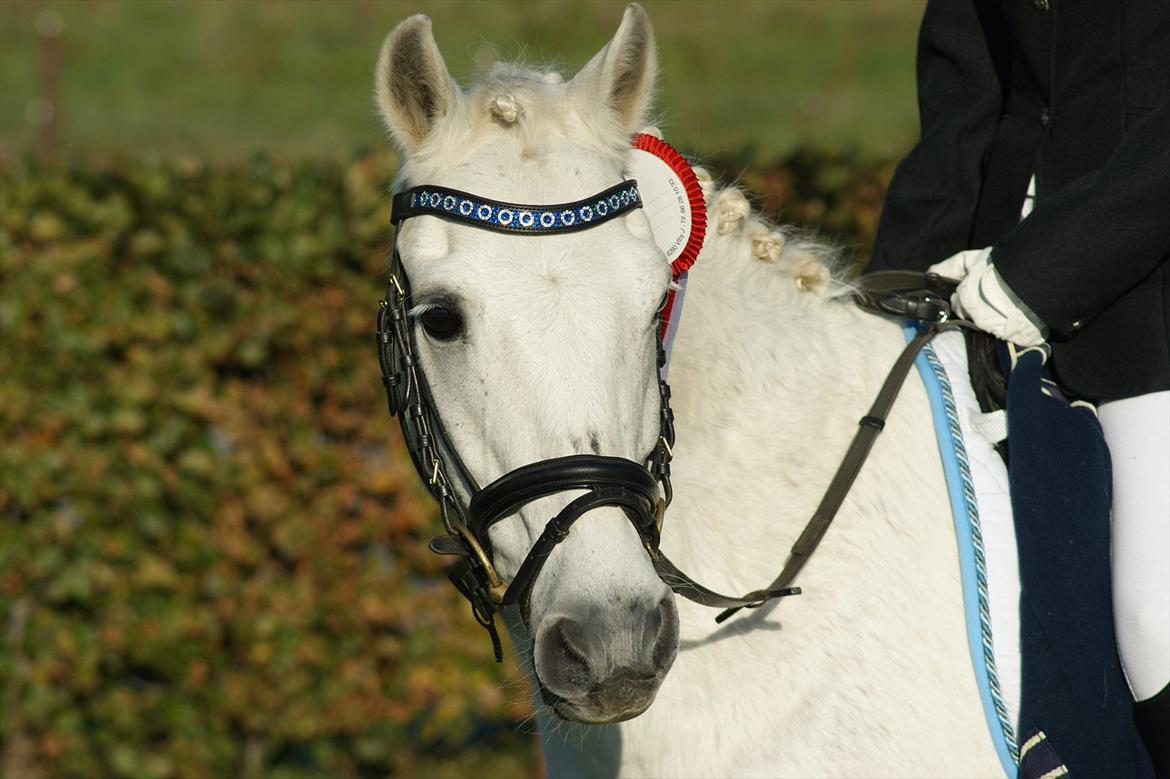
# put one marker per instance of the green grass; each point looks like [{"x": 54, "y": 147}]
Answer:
[{"x": 223, "y": 80}]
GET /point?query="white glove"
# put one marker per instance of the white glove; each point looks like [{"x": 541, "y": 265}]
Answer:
[{"x": 984, "y": 298}]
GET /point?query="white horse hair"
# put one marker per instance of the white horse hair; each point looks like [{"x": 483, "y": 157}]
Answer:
[{"x": 868, "y": 672}]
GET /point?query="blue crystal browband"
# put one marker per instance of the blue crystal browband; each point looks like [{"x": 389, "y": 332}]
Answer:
[{"x": 514, "y": 217}]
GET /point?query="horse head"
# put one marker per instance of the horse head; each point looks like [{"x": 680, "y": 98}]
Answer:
[{"x": 539, "y": 347}]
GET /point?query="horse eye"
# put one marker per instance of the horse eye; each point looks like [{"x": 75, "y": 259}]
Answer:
[{"x": 442, "y": 324}]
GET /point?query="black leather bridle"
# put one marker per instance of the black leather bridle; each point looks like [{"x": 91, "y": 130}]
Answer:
[{"x": 607, "y": 481}]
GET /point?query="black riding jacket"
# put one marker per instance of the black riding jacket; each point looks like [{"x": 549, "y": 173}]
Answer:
[{"x": 1077, "y": 93}]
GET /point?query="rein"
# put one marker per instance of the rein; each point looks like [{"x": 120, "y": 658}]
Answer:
[
  {"x": 608, "y": 481},
  {"x": 921, "y": 297}
]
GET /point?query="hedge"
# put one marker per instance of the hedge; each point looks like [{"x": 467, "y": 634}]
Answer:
[{"x": 213, "y": 558}]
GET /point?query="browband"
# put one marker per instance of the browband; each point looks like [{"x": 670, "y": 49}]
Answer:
[{"x": 457, "y": 206}]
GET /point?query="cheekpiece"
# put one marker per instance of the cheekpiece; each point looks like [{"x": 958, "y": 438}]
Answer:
[{"x": 457, "y": 206}]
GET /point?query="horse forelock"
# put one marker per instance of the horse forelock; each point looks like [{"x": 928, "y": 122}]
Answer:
[{"x": 522, "y": 112}]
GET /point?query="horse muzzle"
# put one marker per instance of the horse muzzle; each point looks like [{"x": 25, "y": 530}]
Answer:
[{"x": 605, "y": 666}]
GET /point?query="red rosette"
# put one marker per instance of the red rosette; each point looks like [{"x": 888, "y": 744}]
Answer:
[{"x": 686, "y": 174}]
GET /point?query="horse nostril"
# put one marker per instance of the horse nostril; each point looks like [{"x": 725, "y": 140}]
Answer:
[
  {"x": 662, "y": 642},
  {"x": 563, "y": 654},
  {"x": 651, "y": 630}
]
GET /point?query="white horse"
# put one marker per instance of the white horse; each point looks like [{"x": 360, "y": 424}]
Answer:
[{"x": 543, "y": 347}]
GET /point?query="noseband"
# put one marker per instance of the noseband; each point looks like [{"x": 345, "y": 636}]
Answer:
[{"x": 607, "y": 481}]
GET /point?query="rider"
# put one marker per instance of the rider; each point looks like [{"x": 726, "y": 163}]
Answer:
[{"x": 1063, "y": 105}]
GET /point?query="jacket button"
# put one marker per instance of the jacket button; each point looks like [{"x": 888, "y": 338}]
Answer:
[
  {"x": 1076, "y": 325},
  {"x": 1044, "y": 118},
  {"x": 1041, "y": 5}
]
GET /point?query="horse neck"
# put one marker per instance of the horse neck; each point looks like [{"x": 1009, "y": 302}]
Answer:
[
  {"x": 771, "y": 369},
  {"x": 766, "y": 346}
]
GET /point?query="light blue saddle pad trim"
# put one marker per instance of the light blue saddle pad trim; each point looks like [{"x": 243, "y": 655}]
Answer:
[{"x": 965, "y": 512}]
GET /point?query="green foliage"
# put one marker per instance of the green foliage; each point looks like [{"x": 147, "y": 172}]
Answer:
[{"x": 213, "y": 559}]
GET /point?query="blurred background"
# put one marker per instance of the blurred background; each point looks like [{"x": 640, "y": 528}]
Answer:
[{"x": 212, "y": 548}]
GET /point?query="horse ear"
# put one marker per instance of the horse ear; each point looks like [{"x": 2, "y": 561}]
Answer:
[
  {"x": 622, "y": 74},
  {"x": 412, "y": 85}
]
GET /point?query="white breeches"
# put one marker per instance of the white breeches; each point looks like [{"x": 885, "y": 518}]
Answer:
[{"x": 1138, "y": 433}]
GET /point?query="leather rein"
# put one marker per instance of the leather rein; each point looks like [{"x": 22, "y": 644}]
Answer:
[{"x": 607, "y": 481}]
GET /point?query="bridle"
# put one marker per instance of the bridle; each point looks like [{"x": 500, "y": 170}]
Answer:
[
  {"x": 641, "y": 490},
  {"x": 607, "y": 481}
]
